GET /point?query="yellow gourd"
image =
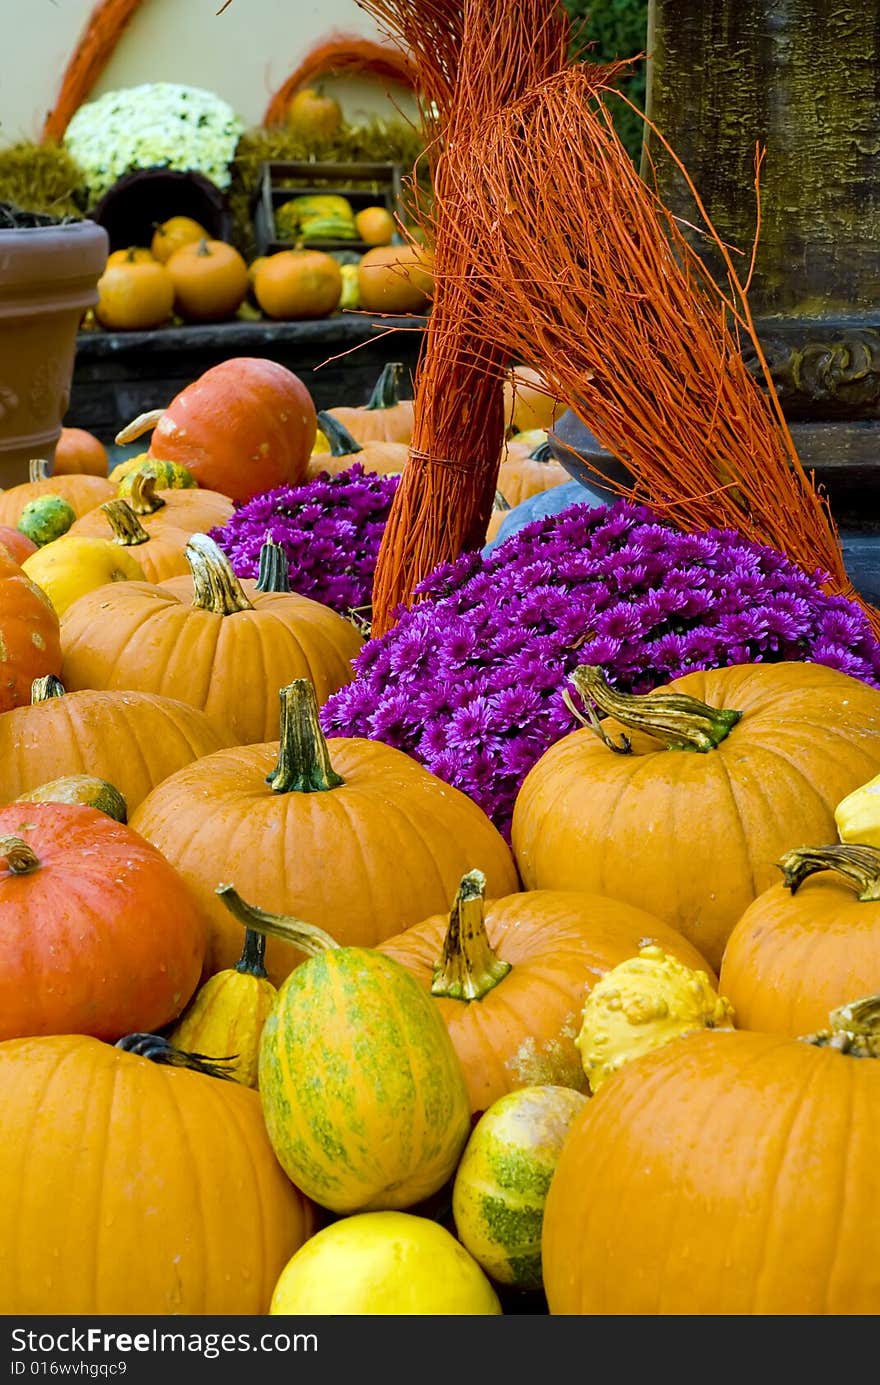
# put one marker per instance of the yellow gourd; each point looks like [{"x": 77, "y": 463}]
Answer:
[
  {"x": 640, "y": 1005},
  {"x": 226, "y": 1016},
  {"x": 858, "y": 815},
  {"x": 70, "y": 566}
]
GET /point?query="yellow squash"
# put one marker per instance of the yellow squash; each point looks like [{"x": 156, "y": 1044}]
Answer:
[
  {"x": 858, "y": 815},
  {"x": 70, "y": 566},
  {"x": 226, "y": 1016}
]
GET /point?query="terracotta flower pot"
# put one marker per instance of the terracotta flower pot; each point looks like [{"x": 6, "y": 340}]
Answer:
[{"x": 48, "y": 278}]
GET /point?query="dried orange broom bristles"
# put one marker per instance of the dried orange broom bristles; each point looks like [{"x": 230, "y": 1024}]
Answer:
[
  {"x": 587, "y": 275},
  {"x": 101, "y": 33},
  {"x": 472, "y": 59}
]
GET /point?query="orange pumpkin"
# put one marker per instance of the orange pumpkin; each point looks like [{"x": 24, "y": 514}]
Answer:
[
  {"x": 30, "y": 645},
  {"x": 244, "y": 426},
  {"x": 385, "y": 417},
  {"x": 294, "y": 284},
  {"x": 722, "y": 772},
  {"x": 724, "y": 1174},
  {"x": 82, "y": 492},
  {"x": 314, "y": 114},
  {"x": 134, "y": 296},
  {"x": 521, "y": 476},
  {"x": 511, "y": 979},
  {"x": 101, "y": 936},
  {"x": 160, "y": 554},
  {"x": 172, "y": 234},
  {"x": 396, "y": 279},
  {"x": 209, "y": 640},
  {"x": 308, "y": 827},
  {"x": 528, "y": 402},
  {"x": 192, "y": 511},
  {"x": 181, "y": 1206},
  {"x": 133, "y": 739},
  {"x": 79, "y": 451},
  {"x": 131, "y": 254},
  {"x": 210, "y": 280},
  {"x": 807, "y": 944},
  {"x": 345, "y": 450},
  {"x": 17, "y": 545}
]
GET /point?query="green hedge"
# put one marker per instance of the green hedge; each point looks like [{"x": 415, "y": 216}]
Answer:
[{"x": 615, "y": 29}]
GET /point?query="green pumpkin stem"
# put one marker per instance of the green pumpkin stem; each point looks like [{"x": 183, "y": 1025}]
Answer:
[
  {"x": 679, "y": 721},
  {"x": 306, "y": 936},
  {"x": 303, "y": 764},
  {"x": 38, "y": 470},
  {"x": 159, "y": 1050},
  {"x": 852, "y": 1029},
  {"x": 274, "y": 574},
  {"x": 342, "y": 444},
  {"x": 215, "y": 586},
  {"x": 44, "y": 688},
  {"x": 499, "y": 503},
  {"x": 542, "y": 453},
  {"x": 386, "y": 391},
  {"x": 19, "y": 857},
  {"x": 860, "y": 865},
  {"x": 252, "y": 961},
  {"x": 127, "y": 528},
  {"x": 142, "y": 497},
  {"x": 468, "y": 968}
]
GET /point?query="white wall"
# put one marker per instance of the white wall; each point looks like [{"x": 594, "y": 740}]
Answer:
[{"x": 243, "y": 54}]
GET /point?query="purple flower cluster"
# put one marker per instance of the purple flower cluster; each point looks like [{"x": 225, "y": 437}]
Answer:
[
  {"x": 330, "y": 529},
  {"x": 469, "y": 680}
]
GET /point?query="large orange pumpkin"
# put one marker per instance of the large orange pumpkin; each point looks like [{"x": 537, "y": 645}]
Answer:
[
  {"x": 724, "y": 1174},
  {"x": 361, "y": 847},
  {"x": 76, "y": 451},
  {"x": 511, "y": 983},
  {"x": 385, "y": 417},
  {"x": 692, "y": 819},
  {"x": 806, "y": 945},
  {"x": 244, "y": 426},
  {"x": 140, "y": 1189},
  {"x": 133, "y": 739},
  {"x": 192, "y": 511},
  {"x": 81, "y": 491},
  {"x": 345, "y": 450},
  {"x": 209, "y": 640},
  {"x": 100, "y": 935},
  {"x": 30, "y": 642}
]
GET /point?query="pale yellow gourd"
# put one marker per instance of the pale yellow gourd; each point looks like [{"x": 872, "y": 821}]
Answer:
[
  {"x": 641, "y": 1004},
  {"x": 858, "y": 815},
  {"x": 226, "y": 1016},
  {"x": 72, "y": 565}
]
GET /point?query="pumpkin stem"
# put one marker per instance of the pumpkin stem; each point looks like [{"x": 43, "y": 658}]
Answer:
[
  {"x": 142, "y": 497},
  {"x": 252, "y": 961},
  {"x": 306, "y": 936},
  {"x": 342, "y": 444},
  {"x": 215, "y": 586},
  {"x": 44, "y": 688},
  {"x": 303, "y": 764},
  {"x": 144, "y": 423},
  {"x": 127, "y": 528},
  {"x": 386, "y": 391},
  {"x": 159, "y": 1050},
  {"x": 19, "y": 857},
  {"x": 274, "y": 574},
  {"x": 204, "y": 249},
  {"x": 499, "y": 503},
  {"x": 468, "y": 968},
  {"x": 542, "y": 453},
  {"x": 680, "y": 721},
  {"x": 852, "y": 1029},
  {"x": 858, "y": 864},
  {"x": 38, "y": 469}
]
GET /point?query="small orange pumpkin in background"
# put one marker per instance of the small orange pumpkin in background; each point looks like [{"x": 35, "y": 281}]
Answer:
[
  {"x": 344, "y": 451},
  {"x": 71, "y": 872},
  {"x": 210, "y": 280},
  {"x": 385, "y": 417},
  {"x": 136, "y": 295},
  {"x": 375, "y": 225},
  {"x": 396, "y": 278},
  {"x": 528, "y": 402},
  {"x": 174, "y": 233},
  {"x": 314, "y": 113},
  {"x": 293, "y": 284},
  {"x": 246, "y": 425},
  {"x": 77, "y": 450},
  {"x": 130, "y": 254},
  {"x": 520, "y": 477},
  {"x": 30, "y": 640}
]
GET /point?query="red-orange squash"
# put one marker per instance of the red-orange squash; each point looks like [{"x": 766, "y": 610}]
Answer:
[
  {"x": 348, "y": 834},
  {"x": 721, "y": 773},
  {"x": 30, "y": 642},
  {"x": 396, "y": 279},
  {"x": 510, "y": 978},
  {"x": 18, "y": 545},
  {"x": 141, "y": 1189},
  {"x": 100, "y": 934}
]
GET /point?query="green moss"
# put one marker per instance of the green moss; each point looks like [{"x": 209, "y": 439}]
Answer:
[
  {"x": 607, "y": 30},
  {"x": 42, "y": 178}
]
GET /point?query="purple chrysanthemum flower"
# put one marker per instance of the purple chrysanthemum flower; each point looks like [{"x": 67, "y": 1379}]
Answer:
[
  {"x": 330, "y": 529},
  {"x": 469, "y": 680}
]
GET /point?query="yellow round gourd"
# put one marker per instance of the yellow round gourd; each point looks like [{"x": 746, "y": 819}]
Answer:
[
  {"x": 70, "y": 566},
  {"x": 858, "y": 815},
  {"x": 388, "y": 1263}
]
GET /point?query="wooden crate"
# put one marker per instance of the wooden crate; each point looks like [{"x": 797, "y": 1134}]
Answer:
[{"x": 364, "y": 184}]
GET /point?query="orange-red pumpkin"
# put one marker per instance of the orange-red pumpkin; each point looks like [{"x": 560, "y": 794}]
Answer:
[
  {"x": 210, "y": 280},
  {"x": 30, "y": 642},
  {"x": 18, "y": 545}
]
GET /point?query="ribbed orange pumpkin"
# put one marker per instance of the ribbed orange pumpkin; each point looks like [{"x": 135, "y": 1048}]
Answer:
[
  {"x": 511, "y": 983},
  {"x": 218, "y": 644},
  {"x": 807, "y": 944},
  {"x": 345, "y": 450},
  {"x": 161, "y": 554},
  {"x": 350, "y": 835},
  {"x": 133, "y": 739},
  {"x": 100, "y": 935},
  {"x": 522, "y": 476},
  {"x": 180, "y": 1206},
  {"x": 385, "y": 417},
  {"x": 192, "y": 511},
  {"x": 755, "y": 767},
  {"x": 244, "y": 426},
  {"x": 30, "y": 643},
  {"x": 82, "y": 492},
  {"x": 724, "y": 1174}
]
